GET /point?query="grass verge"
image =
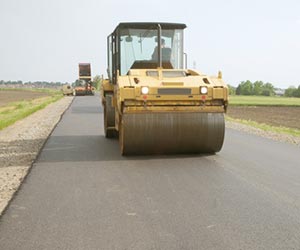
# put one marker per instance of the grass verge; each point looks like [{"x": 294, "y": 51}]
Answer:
[
  {"x": 237, "y": 100},
  {"x": 19, "y": 110},
  {"x": 266, "y": 127}
]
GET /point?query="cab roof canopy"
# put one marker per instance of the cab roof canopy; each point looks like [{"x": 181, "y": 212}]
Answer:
[{"x": 149, "y": 25}]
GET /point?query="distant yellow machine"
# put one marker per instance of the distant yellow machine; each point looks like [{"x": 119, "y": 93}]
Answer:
[
  {"x": 67, "y": 89},
  {"x": 152, "y": 102}
]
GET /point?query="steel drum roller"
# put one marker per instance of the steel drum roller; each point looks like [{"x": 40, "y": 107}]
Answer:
[{"x": 166, "y": 133}]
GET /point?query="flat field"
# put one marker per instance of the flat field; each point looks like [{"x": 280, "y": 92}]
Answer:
[
  {"x": 263, "y": 101},
  {"x": 278, "y": 112},
  {"x": 11, "y": 95},
  {"x": 16, "y": 104},
  {"x": 275, "y": 116}
]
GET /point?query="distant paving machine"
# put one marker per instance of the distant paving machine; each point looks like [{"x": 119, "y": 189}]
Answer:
[
  {"x": 152, "y": 102},
  {"x": 84, "y": 85}
]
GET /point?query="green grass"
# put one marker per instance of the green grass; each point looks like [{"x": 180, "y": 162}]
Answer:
[
  {"x": 263, "y": 101},
  {"x": 265, "y": 127},
  {"x": 19, "y": 110}
]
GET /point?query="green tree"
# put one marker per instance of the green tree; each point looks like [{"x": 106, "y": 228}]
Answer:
[
  {"x": 231, "y": 89},
  {"x": 297, "y": 92},
  {"x": 290, "y": 91},
  {"x": 258, "y": 87},
  {"x": 97, "y": 80},
  {"x": 268, "y": 89},
  {"x": 245, "y": 88}
]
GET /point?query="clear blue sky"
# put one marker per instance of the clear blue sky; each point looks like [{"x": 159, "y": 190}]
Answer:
[{"x": 246, "y": 39}]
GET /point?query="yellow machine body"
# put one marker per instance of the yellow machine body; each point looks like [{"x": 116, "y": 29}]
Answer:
[{"x": 67, "y": 89}]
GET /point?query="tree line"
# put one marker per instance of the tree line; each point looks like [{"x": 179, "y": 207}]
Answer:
[
  {"x": 44, "y": 84},
  {"x": 260, "y": 88},
  {"x": 37, "y": 84},
  {"x": 292, "y": 91}
]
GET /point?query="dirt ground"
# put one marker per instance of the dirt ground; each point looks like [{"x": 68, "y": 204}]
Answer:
[
  {"x": 276, "y": 116},
  {"x": 7, "y": 96}
]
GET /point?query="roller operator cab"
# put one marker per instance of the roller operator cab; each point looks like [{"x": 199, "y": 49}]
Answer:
[{"x": 152, "y": 102}]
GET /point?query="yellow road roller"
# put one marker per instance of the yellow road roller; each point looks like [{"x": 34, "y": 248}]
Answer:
[
  {"x": 152, "y": 102},
  {"x": 67, "y": 89}
]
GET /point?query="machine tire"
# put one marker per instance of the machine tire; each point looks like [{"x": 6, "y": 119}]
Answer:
[
  {"x": 109, "y": 117},
  {"x": 121, "y": 137}
]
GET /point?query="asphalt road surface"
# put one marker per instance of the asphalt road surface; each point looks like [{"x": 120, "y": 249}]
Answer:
[{"x": 81, "y": 194}]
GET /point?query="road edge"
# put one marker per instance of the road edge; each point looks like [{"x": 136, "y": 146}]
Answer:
[{"x": 9, "y": 200}]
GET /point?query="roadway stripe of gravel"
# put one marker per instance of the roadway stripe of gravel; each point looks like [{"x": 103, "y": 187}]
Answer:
[
  {"x": 267, "y": 134},
  {"x": 20, "y": 144}
]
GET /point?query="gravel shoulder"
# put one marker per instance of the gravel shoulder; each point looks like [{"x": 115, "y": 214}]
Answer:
[
  {"x": 20, "y": 144},
  {"x": 266, "y": 134}
]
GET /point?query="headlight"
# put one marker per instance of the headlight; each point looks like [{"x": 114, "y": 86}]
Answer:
[
  {"x": 203, "y": 90},
  {"x": 145, "y": 90}
]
